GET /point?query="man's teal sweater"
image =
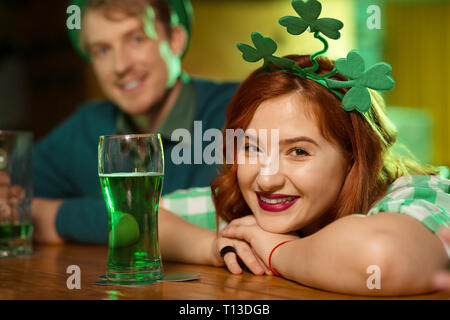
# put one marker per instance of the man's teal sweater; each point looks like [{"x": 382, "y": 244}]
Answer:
[{"x": 65, "y": 162}]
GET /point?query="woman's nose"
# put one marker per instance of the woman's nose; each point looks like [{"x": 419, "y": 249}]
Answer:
[{"x": 270, "y": 182}]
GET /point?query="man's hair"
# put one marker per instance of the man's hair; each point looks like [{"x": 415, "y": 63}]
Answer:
[
  {"x": 134, "y": 8},
  {"x": 165, "y": 11}
]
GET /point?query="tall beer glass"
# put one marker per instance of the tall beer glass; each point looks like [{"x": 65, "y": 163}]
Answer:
[
  {"x": 131, "y": 172},
  {"x": 16, "y": 192}
]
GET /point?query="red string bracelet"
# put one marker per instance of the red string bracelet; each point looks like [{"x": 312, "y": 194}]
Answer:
[{"x": 270, "y": 258}]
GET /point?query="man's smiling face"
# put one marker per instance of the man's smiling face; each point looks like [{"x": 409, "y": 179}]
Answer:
[{"x": 127, "y": 63}]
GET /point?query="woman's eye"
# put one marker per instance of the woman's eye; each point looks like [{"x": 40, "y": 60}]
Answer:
[
  {"x": 298, "y": 152},
  {"x": 251, "y": 148}
]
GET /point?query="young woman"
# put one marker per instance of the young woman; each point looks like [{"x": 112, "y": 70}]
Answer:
[
  {"x": 342, "y": 206},
  {"x": 341, "y": 212}
]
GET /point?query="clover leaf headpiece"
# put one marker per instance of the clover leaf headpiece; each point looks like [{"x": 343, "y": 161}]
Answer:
[{"x": 360, "y": 78}]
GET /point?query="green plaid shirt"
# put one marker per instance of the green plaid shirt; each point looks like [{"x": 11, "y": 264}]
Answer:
[
  {"x": 194, "y": 204},
  {"x": 425, "y": 198}
]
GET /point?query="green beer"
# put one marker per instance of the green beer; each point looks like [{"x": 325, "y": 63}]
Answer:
[
  {"x": 132, "y": 200},
  {"x": 15, "y": 239}
]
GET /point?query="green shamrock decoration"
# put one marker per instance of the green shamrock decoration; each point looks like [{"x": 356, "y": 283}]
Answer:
[
  {"x": 265, "y": 47},
  {"x": 360, "y": 79},
  {"x": 376, "y": 77},
  {"x": 309, "y": 13}
]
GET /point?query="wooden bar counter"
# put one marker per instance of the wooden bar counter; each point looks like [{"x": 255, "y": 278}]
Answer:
[{"x": 44, "y": 276}]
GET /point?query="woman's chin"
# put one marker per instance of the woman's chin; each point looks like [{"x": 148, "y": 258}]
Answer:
[{"x": 273, "y": 226}]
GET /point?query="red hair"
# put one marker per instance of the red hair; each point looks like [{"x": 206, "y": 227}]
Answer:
[{"x": 365, "y": 140}]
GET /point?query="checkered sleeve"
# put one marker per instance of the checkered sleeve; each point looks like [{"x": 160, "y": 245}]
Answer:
[
  {"x": 425, "y": 198},
  {"x": 194, "y": 204}
]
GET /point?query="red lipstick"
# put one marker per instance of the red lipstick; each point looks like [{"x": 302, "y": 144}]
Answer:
[{"x": 265, "y": 201}]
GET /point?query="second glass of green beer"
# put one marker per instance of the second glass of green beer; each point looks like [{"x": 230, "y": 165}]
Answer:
[{"x": 131, "y": 171}]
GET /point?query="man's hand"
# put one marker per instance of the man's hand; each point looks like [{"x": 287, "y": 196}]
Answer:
[
  {"x": 43, "y": 214},
  {"x": 10, "y": 199},
  {"x": 441, "y": 279}
]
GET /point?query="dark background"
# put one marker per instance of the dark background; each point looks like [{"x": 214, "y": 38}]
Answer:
[{"x": 40, "y": 74}]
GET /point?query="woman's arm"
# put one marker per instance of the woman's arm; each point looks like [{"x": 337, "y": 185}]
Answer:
[
  {"x": 183, "y": 241},
  {"x": 179, "y": 240},
  {"x": 441, "y": 279},
  {"x": 338, "y": 256}
]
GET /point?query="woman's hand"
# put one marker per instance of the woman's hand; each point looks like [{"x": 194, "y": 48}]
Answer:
[
  {"x": 246, "y": 255},
  {"x": 261, "y": 241},
  {"x": 441, "y": 279}
]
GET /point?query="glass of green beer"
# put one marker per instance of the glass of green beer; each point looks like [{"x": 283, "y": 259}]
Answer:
[
  {"x": 16, "y": 192},
  {"x": 131, "y": 172}
]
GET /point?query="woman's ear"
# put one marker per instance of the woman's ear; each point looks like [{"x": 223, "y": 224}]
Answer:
[{"x": 178, "y": 40}]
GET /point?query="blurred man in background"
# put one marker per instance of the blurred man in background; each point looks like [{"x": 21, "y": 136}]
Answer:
[{"x": 135, "y": 48}]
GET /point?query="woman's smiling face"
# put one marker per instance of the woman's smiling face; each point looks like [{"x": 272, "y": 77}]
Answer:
[{"x": 310, "y": 170}]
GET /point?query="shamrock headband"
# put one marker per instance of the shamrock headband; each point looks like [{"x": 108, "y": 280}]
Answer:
[
  {"x": 183, "y": 16},
  {"x": 353, "y": 67}
]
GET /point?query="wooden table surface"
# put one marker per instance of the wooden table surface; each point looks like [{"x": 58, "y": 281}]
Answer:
[{"x": 43, "y": 276}]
